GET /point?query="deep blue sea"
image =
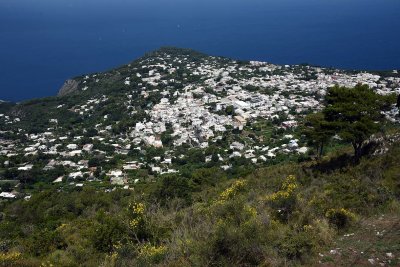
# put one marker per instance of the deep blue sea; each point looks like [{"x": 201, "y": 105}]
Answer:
[{"x": 44, "y": 42}]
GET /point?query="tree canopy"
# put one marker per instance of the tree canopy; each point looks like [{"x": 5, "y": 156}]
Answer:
[
  {"x": 354, "y": 114},
  {"x": 318, "y": 131}
]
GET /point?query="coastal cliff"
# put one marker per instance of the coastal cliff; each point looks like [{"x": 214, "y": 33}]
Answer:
[{"x": 68, "y": 87}]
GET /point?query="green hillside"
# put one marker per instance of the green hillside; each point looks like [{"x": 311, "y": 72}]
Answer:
[
  {"x": 185, "y": 159},
  {"x": 288, "y": 214}
]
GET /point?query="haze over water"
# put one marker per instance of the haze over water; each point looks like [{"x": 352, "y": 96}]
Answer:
[{"x": 44, "y": 42}]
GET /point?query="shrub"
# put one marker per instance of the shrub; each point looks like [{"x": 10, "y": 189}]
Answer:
[
  {"x": 9, "y": 258},
  {"x": 300, "y": 243},
  {"x": 238, "y": 235},
  {"x": 106, "y": 232},
  {"x": 296, "y": 244},
  {"x": 137, "y": 221},
  {"x": 232, "y": 191},
  {"x": 172, "y": 186},
  {"x": 284, "y": 201},
  {"x": 341, "y": 218},
  {"x": 44, "y": 241},
  {"x": 149, "y": 254}
]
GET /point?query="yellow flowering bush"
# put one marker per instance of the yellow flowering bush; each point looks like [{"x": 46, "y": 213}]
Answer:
[
  {"x": 134, "y": 224},
  {"x": 340, "y": 217},
  {"x": 46, "y": 264},
  {"x": 137, "y": 208},
  {"x": 137, "y": 221},
  {"x": 284, "y": 200},
  {"x": 111, "y": 259},
  {"x": 9, "y": 258},
  {"x": 152, "y": 254},
  {"x": 230, "y": 207},
  {"x": 232, "y": 191}
]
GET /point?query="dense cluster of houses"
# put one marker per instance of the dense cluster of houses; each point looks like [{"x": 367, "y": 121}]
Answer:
[{"x": 194, "y": 113}]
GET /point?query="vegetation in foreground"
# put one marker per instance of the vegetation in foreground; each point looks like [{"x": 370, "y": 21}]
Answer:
[{"x": 288, "y": 214}]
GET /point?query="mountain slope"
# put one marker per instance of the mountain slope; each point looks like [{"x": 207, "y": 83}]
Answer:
[
  {"x": 281, "y": 215},
  {"x": 151, "y": 111},
  {"x": 181, "y": 158}
]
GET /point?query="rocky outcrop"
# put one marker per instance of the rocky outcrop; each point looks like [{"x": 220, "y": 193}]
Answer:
[{"x": 69, "y": 87}]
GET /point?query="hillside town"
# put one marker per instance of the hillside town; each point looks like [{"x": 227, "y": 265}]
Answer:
[{"x": 227, "y": 109}]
